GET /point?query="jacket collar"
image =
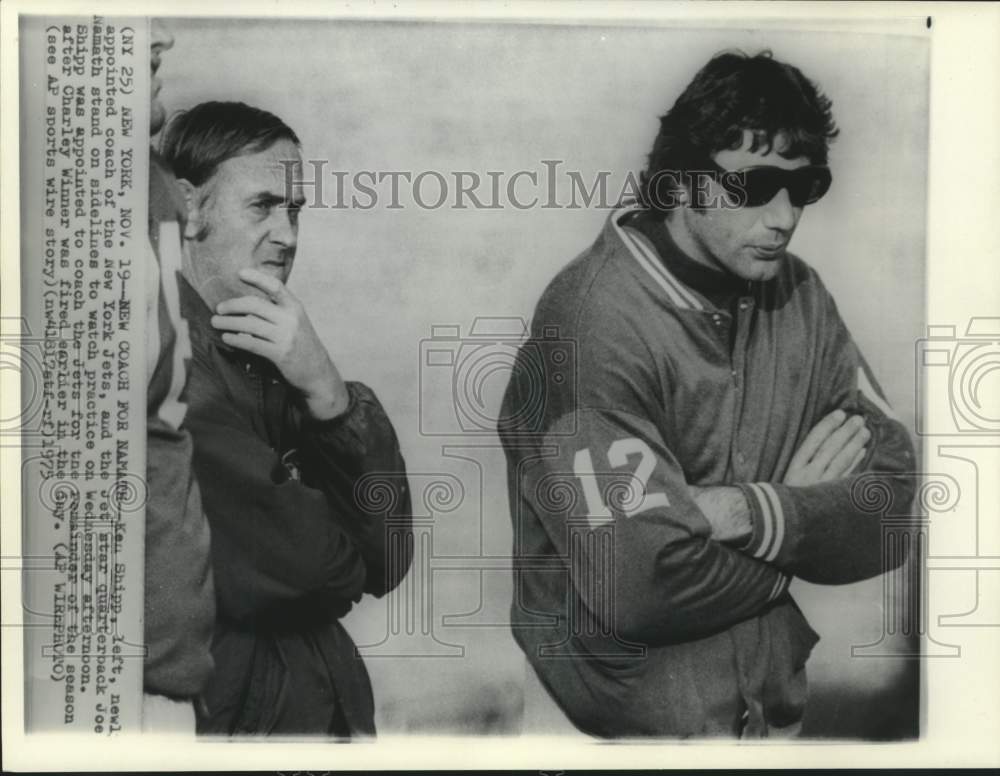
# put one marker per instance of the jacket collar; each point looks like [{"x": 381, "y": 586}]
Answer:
[
  {"x": 199, "y": 316},
  {"x": 193, "y": 307},
  {"x": 199, "y": 319},
  {"x": 647, "y": 239},
  {"x": 717, "y": 286}
]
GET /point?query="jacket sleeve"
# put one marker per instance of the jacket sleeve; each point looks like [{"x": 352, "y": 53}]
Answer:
[
  {"x": 278, "y": 545},
  {"x": 613, "y": 501},
  {"x": 832, "y": 532},
  {"x": 355, "y": 459},
  {"x": 179, "y": 594},
  {"x": 179, "y": 612}
]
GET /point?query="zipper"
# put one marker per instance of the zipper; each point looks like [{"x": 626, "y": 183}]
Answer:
[{"x": 737, "y": 361}]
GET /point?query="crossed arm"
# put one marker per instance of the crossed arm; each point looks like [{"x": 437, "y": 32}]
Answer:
[
  {"x": 820, "y": 522},
  {"x": 681, "y": 562},
  {"x": 832, "y": 450}
]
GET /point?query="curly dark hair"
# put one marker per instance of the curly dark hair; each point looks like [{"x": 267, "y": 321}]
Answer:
[
  {"x": 196, "y": 141},
  {"x": 732, "y": 93}
]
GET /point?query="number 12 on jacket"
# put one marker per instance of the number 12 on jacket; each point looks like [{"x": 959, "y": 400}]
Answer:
[{"x": 635, "y": 498}]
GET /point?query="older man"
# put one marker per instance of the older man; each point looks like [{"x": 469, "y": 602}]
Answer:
[
  {"x": 284, "y": 447},
  {"x": 715, "y": 441}
]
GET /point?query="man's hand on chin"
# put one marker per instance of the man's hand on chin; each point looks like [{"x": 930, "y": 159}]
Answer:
[{"x": 278, "y": 329}]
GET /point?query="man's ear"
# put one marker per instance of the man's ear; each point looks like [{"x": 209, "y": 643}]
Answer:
[{"x": 190, "y": 193}]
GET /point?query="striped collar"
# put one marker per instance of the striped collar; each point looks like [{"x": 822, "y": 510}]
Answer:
[{"x": 687, "y": 284}]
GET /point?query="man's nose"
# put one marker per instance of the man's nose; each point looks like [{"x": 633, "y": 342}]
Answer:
[
  {"x": 780, "y": 214},
  {"x": 284, "y": 227},
  {"x": 160, "y": 37}
]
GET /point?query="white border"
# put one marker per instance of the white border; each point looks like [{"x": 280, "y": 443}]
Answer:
[{"x": 963, "y": 709}]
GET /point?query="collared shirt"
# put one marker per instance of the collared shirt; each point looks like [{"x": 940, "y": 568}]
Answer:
[{"x": 719, "y": 287}]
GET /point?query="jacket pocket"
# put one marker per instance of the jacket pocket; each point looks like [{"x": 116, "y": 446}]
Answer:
[{"x": 264, "y": 692}]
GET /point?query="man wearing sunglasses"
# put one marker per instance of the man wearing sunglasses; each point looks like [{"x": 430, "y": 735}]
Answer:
[{"x": 714, "y": 443}]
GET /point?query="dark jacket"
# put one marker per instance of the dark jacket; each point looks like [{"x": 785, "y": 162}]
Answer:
[
  {"x": 306, "y": 517},
  {"x": 635, "y": 384}
]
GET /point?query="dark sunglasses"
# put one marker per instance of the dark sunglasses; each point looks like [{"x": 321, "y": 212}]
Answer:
[{"x": 756, "y": 186}]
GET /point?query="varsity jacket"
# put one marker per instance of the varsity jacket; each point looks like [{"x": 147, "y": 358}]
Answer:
[
  {"x": 306, "y": 517},
  {"x": 637, "y": 621},
  {"x": 179, "y": 595}
]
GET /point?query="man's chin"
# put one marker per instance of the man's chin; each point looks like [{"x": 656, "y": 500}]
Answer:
[
  {"x": 764, "y": 269},
  {"x": 277, "y": 271}
]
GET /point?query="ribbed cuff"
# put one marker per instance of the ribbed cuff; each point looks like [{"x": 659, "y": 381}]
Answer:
[
  {"x": 780, "y": 586},
  {"x": 331, "y": 424},
  {"x": 768, "y": 518}
]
